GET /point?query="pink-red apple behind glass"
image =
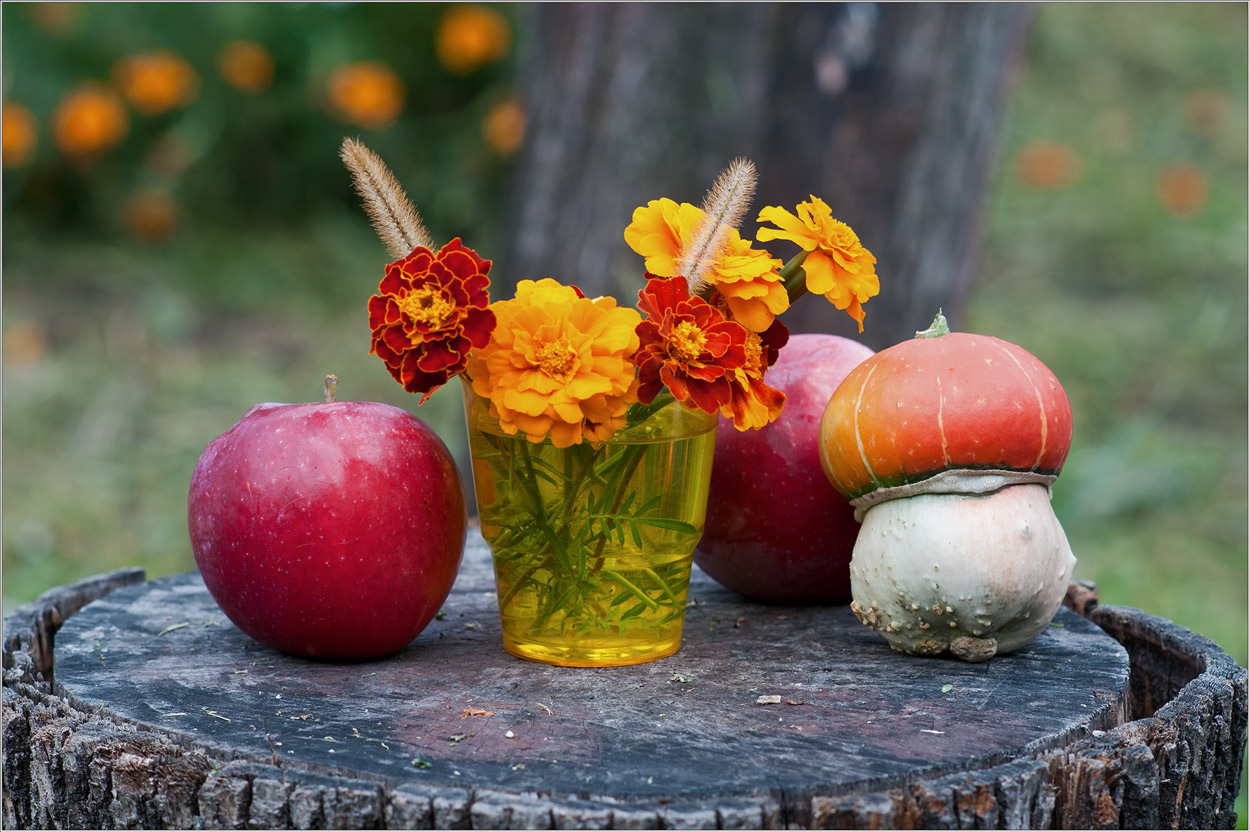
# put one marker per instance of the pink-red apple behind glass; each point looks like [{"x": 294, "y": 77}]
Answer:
[
  {"x": 777, "y": 531},
  {"x": 330, "y": 530}
]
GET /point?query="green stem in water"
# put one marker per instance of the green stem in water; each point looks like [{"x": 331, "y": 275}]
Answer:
[
  {"x": 634, "y": 454},
  {"x": 642, "y": 596},
  {"x": 936, "y": 329}
]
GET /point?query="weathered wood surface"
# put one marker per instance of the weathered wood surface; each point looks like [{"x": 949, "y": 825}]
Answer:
[{"x": 142, "y": 722}]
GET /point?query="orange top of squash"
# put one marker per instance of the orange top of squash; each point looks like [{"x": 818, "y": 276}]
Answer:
[{"x": 943, "y": 401}]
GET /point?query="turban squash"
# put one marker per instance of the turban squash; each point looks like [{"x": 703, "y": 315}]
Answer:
[{"x": 947, "y": 445}]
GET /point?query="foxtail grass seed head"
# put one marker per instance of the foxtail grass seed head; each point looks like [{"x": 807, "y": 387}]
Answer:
[
  {"x": 723, "y": 209},
  {"x": 392, "y": 214}
]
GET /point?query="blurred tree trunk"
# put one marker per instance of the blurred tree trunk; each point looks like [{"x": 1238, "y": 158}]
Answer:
[{"x": 887, "y": 112}]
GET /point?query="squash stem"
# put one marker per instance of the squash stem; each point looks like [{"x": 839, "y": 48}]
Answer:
[{"x": 936, "y": 329}]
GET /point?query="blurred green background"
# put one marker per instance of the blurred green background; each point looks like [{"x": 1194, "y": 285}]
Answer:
[{"x": 181, "y": 242}]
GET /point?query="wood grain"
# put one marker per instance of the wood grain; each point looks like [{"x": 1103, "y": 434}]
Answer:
[{"x": 161, "y": 713}]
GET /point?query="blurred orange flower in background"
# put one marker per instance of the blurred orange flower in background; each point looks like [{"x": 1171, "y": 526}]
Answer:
[
  {"x": 151, "y": 215},
  {"x": 504, "y": 127},
  {"x": 57, "y": 18},
  {"x": 1206, "y": 111},
  {"x": 471, "y": 36},
  {"x": 246, "y": 66},
  {"x": 24, "y": 343},
  {"x": 367, "y": 94},
  {"x": 90, "y": 120},
  {"x": 1183, "y": 189},
  {"x": 1042, "y": 164},
  {"x": 156, "y": 82},
  {"x": 19, "y": 135}
]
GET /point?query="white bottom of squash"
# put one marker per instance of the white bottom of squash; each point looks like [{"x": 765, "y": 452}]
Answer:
[{"x": 973, "y": 575}]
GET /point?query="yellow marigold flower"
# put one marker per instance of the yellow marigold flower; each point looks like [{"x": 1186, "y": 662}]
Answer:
[
  {"x": 837, "y": 265},
  {"x": 246, "y": 66},
  {"x": 558, "y": 364},
  {"x": 471, "y": 36},
  {"x": 746, "y": 277},
  {"x": 367, "y": 94},
  {"x": 19, "y": 135},
  {"x": 156, "y": 82},
  {"x": 89, "y": 121},
  {"x": 658, "y": 232}
]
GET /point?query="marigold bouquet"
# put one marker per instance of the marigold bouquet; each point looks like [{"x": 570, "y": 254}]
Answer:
[{"x": 591, "y": 521}]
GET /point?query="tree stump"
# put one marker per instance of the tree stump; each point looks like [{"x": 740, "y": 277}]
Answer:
[{"x": 137, "y": 704}]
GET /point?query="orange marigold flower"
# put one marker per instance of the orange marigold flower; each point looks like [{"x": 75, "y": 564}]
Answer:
[
  {"x": 753, "y": 404},
  {"x": 430, "y": 310},
  {"x": 19, "y": 135},
  {"x": 246, "y": 66},
  {"x": 367, "y": 94},
  {"x": 471, "y": 36},
  {"x": 558, "y": 364},
  {"x": 746, "y": 277},
  {"x": 89, "y": 121},
  {"x": 837, "y": 264},
  {"x": 156, "y": 82},
  {"x": 687, "y": 345}
]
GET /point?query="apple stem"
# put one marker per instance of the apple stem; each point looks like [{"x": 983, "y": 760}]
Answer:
[{"x": 332, "y": 384}]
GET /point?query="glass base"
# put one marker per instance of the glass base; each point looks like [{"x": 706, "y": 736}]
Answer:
[{"x": 567, "y": 655}]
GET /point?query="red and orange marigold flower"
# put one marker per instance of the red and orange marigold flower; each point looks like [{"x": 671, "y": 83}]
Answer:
[
  {"x": 430, "y": 311},
  {"x": 686, "y": 345},
  {"x": 752, "y": 403}
]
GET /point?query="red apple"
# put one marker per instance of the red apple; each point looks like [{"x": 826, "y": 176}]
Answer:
[
  {"x": 332, "y": 530},
  {"x": 777, "y": 530}
]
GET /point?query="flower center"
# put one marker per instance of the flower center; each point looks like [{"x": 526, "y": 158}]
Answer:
[
  {"x": 754, "y": 356},
  {"x": 687, "y": 342},
  {"x": 427, "y": 306},
  {"x": 556, "y": 359}
]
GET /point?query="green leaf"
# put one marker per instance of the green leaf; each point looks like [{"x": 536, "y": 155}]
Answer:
[{"x": 668, "y": 523}]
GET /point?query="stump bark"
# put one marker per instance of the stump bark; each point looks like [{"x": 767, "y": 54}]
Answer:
[{"x": 147, "y": 708}]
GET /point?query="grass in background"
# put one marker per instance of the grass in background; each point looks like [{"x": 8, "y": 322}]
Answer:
[
  {"x": 1117, "y": 254},
  {"x": 110, "y": 395}
]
